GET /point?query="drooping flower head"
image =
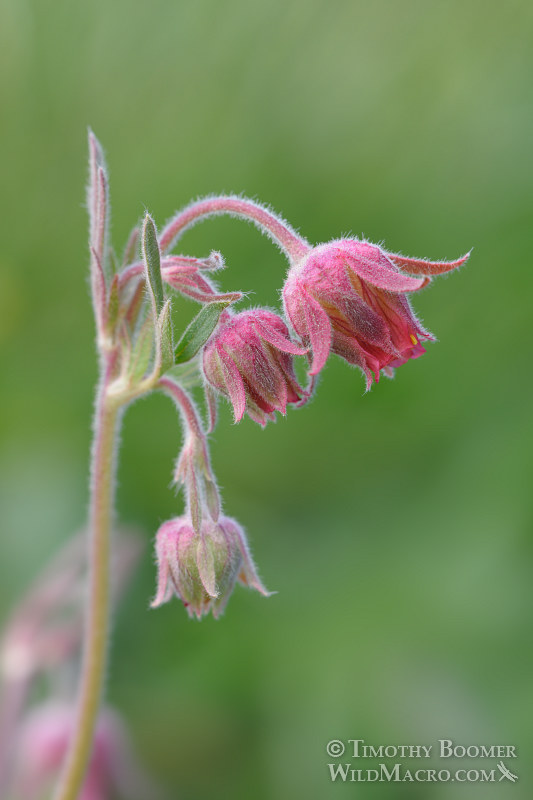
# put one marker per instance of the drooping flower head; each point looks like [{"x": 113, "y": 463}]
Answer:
[
  {"x": 349, "y": 297},
  {"x": 250, "y": 361},
  {"x": 42, "y": 745},
  {"x": 202, "y": 568}
]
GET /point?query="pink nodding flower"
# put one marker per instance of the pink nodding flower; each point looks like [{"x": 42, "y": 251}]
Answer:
[
  {"x": 349, "y": 297},
  {"x": 42, "y": 745},
  {"x": 202, "y": 568},
  {"x": 250, "y": 360}
]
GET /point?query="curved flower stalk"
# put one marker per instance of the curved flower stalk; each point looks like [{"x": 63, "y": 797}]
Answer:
[
  {"x": 202, "y": 554},
  {"x": 193, "y": 467},
  {"x": 345, "y": 297},
  {"x": 269, "y": 223}
]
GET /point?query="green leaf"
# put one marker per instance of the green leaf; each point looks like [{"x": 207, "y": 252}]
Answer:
[
  {"x": 199, "y": 331},
  {"x": 165, "y": 347},
  {"x": 112, "y": 305},
  {"x": 142, "y": 350},
  {"x": 152, "y": 262}
]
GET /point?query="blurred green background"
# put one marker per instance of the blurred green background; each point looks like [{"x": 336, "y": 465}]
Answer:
[{"x": 396, "y": 526}]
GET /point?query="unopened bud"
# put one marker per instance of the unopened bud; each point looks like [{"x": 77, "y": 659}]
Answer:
[
  {"x": 202, "y": 568},
  {"x": 250, "y": 361}
]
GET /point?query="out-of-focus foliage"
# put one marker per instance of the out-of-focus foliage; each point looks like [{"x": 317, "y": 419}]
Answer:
[{"x": 396, "y": 526}]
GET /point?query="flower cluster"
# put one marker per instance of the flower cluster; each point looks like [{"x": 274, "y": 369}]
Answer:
[{"x": 346, "y": 297}]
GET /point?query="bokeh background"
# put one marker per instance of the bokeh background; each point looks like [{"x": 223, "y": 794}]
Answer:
[{"x": 396, "y": 526}]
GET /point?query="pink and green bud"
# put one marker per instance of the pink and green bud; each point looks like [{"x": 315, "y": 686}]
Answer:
[
  {"x": 349, "y": 297},
  {"x": 202, "y": 568},
  {"x": 250, "y": 361}
]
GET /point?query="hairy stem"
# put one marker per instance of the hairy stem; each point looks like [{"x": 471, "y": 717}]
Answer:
[
  {"x": 193, "y": 468},
  {"x": 106, "y": 423},
  {"x": 184, "y": 404},
  {"x": 293, "y": 245}
]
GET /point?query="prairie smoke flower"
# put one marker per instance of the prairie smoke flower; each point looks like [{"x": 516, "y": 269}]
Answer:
[
  {"x": 349, "y": 297},
  {"x": 202, "y": 568},
  {"x": 43, "y": 743},
  {"x": 250, "y": 361}
]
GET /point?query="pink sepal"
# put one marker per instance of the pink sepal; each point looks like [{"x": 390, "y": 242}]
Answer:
[{"x": 419, "y": 266}]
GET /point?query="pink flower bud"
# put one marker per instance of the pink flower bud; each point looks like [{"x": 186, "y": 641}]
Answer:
[
  {"x": 348, "y": 297},
  {"x": 202, "y": 569},
  {"x": 250, "y": 360},
  {"x": 42, "y": 746},
  {"x": 185, "y": 274}
]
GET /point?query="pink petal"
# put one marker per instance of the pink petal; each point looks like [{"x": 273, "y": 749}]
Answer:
[
  {"x": 234, "y": 384},
  {"x": 318, "y": 329},
  {"x": 276, "y": 339},
  {"x": 248, "y": 574},
  {"x": 211, "y": 403},
  {"x": 259, "y": 416},
  {"x": 419, "y": 266},
  {"x": 372, "y": 265},
  {"x": 350, "y": 349},
  {"x": 266, "y": 384},
  {"x": 366, "y": 321},
  {"x": 180, "y": 265},
  {"x": 202, "y": 297},
  {"x": 163, "y": 550}
]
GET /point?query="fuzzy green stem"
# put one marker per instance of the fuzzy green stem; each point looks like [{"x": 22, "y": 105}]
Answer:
[{"x": 106, "y": 424}]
